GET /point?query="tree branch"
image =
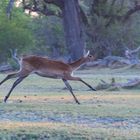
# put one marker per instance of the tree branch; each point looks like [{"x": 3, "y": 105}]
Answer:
[
  {"x": 130, "y": 12},
  {"x": 126, "y": 16},
  {"x": 14, "y": 55},
  {"x": 59, "y": 3},
  {"x": 121, "y": 6},
  {"x": 114, "y": 16},
  {"x": 111, "y": 11},
  {"x": 44, "y": 10},
  {"x": 9, "y": 8},
  {"x": 84, "y": 17}
]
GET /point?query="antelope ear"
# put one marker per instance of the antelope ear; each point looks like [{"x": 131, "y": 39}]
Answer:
[{"x": 87, "y": 54}]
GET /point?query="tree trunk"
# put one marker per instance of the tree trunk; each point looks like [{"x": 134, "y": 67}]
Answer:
[
  {"x": 9, "y": 8},
  {"x": 73, "y": 28}
]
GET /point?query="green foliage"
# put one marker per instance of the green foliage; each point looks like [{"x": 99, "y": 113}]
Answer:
[
  {"x": 44, "y": 35},
  {"x": 50, "y": 36},
  {"x": 15, "y": 33},
  {"x": 108, "y": 34}
]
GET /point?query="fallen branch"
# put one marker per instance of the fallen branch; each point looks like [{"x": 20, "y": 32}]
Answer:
[
  {"x": 6, "y": 68},
  {"x": 116, "y": 61},
  {"x": 113, "y": 85}
]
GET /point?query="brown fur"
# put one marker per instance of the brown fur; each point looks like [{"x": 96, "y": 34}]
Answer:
[{"x": 45, "y": 67}]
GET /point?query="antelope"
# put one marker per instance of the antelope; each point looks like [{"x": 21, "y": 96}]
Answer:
[{"x": 46, "y": 67}]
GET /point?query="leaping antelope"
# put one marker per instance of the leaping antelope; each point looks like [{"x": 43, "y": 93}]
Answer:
[{"x": 45, "y": 67}]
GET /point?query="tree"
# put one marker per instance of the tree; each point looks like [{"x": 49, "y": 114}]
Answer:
[
  {"x": 115, "y": 10},
  {"x": 15, "y": 33},
  {"x": 113, "y": 26},
  {"x": 49, "y": 37},
  {"x": 69, "y": 11}
]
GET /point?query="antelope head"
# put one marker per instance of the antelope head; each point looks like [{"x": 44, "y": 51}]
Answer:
[{"x": 89, "y": 57}]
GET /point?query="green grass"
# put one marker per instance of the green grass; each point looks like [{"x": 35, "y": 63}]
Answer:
[{"x": 40, "y": 108}]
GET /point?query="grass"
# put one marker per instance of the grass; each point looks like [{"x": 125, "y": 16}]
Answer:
[{"x": 40, "y": 108}]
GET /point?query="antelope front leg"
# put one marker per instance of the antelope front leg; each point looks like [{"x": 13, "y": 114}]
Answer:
[{"x": 70, "y": 89}]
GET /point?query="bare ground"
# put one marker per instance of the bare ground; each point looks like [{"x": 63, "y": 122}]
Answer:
[{"x": 51, "y": 110}]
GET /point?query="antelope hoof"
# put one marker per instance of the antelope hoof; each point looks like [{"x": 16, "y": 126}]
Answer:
[
  {"x": 5, "y": 99},
  {"x": 94, "y": 89},
  {"x": 78, "y": 102}
]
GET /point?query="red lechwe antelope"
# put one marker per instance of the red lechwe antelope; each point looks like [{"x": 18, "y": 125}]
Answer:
[{"x": 45, "y": 67}]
